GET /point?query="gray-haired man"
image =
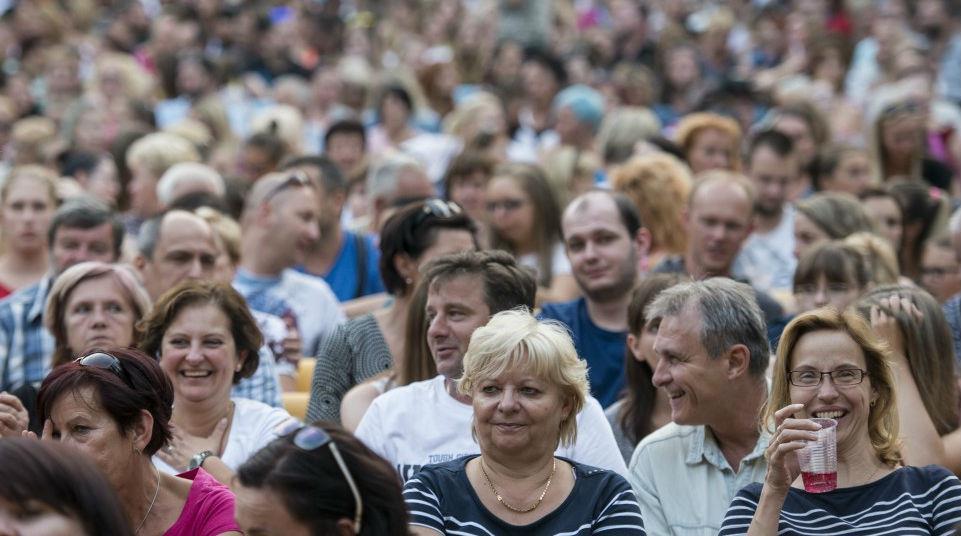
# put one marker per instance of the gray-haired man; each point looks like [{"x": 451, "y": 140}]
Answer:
[{"x": 712, "y": 352}]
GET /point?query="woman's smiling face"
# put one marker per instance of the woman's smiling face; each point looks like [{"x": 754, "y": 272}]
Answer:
[
  {"x": 828, "y": 351},
  {"x": 198, "y": 353}
]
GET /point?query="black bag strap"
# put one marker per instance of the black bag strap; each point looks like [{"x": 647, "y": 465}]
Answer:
[{"x": 361, "y": 246}]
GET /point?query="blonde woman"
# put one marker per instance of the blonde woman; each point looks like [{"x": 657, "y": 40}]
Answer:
[{"x": 526, "y": 386}]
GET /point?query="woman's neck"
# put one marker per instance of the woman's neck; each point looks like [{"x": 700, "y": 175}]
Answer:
[
  {"x": 526, "y": 469},
  {"x": 138, "y": 489},
  {"x": 859, "y": 464},
  {"x": 200, "y": 418},
  {"x": 29, "y": 261}
]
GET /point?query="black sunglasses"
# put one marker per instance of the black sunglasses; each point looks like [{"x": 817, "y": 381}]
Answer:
[
  {"x": 108, "y": 362},
  {"x": 296, "y": 179},
  {"x": 310, "y": 438}
]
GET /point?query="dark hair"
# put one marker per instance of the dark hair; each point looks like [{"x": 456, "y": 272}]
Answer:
[
  {"x": 418, "y": 364},
  {"x": 148, "y": 389},
  {"x": 270, "y": 143},
  {"x": 640, "y": 396},
  {"x": 774, "y": 140},
  {"x": 630, "y": 216},
  {"x": 920, "y": 204},
  {"x": 506, "y": 283},
  {"x": 73, "y": 161},
  {"x": 836, "y": 261},
  {"x": 86, "y": 213},
  {"x": 314, "y": 490},
  {"x": 346, "y": 127},
  {"x": 243, "y": 327},
  {"x": 397, "y": 91},
  {"x": 465, "y": 164},
  {"x": 412, "y": 230},
  {"x": 548, "y": 61},
  {"x": 55, "y": 476},
  {"x": 331, "y": 179}
]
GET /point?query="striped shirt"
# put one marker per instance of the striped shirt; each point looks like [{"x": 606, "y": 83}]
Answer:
[
  {"x": 440, "y": 497},
  {"x": 909, "y": 501}
]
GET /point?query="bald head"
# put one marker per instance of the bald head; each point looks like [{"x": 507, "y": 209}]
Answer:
[
  {"x": 184, "y": 248},
  {"x": 602, "y": 200}
]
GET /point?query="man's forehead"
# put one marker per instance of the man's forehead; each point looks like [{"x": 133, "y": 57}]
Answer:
[
  {"x": 589, "y": 212},
  {"x": 104, "y": 231},
  {"x": 456, "y": 289},
  {"x": 179, "y": 228}
]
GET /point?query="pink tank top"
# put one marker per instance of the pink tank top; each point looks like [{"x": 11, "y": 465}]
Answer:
[{"x": 209, "y": 509}]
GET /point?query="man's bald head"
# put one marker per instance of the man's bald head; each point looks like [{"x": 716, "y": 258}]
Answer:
[
  {"x": 583, "y": 203},
  {"x": 174, "y": 247}
]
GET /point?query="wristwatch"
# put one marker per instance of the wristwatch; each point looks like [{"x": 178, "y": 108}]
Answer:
[{"x": 198, "y": 459}]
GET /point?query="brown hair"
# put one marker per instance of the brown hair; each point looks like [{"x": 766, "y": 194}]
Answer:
[{"x": 243, "y": 327}]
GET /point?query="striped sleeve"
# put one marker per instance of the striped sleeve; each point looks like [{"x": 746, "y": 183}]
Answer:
[
  {"x": 621, "y": 513},
  {"x": 946, "y": 504},
  {"x": 423, "y": 504},
  {"x": 740, "y": 512}
]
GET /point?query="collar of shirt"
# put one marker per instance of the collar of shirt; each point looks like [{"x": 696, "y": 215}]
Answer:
[
  {"x": 703, "y": 446},
  {"x": 39, "y": 300}
]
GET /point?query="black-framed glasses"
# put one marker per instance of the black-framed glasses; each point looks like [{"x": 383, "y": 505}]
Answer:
[
  {"x": 295, "y": 179},
  {"x": 310, "y": 438},
  {"x": 846, "y": 377},
  {"x": 105, "y": 361}
]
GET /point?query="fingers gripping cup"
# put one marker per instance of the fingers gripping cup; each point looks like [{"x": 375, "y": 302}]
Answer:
[{"x": 819, "y": 459}]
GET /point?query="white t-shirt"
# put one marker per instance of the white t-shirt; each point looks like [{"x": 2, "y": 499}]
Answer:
[
  {"x": 253, "y": 426},
  {"x": 767, "y": 260},
  {"x": 560, "y": 264},
  {"x": 422, "y": 424}
]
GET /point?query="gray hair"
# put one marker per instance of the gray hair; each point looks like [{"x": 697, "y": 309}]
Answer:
[
  {"x": 382, "y": 179},
  {"x": 205, "y": 177},
  {"x": 730, "y": 315}
]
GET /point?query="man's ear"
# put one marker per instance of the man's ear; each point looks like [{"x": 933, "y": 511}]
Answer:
[
  {"x": 642, "y": 239},
  {"x": 738, "y": 361}
]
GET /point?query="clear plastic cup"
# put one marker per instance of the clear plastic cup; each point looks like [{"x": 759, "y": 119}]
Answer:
[{"x": 819, "y": 459}]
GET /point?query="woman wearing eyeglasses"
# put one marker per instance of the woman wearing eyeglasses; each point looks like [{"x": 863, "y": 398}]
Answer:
[
  {"x": 830, "y": 365},
  {"x": 527, "y": 386},
  {"x": 525, "y": 219},
  {"x": 319, "y": 480},
  {"x": 90, "y": 305},
  {"x": 206, "y": 340},
  {"x": 115, "y": 408},
  {"x": 371, "y": 344}
]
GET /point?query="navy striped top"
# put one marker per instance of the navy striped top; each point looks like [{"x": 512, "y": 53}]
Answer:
[
  {"x": 440, "y": 497},
  {"x": 909, "y": 501}
]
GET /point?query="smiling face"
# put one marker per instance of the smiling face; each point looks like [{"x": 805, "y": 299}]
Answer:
[
  {"x": 826, "y": 351},
  {"x": 718, "y": 221},
  {"x": 455, "y": 308},
  {"x": 602, "y": 253},
  {"x": 517, "y": 412},
  {"x": 198, "y": 354},
  {"x": 98, "y": 314},
  {"x": 695, "y": 383}
]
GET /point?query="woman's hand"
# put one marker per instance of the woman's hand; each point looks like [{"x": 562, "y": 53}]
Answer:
[
  {"x": 183, "y": 446},
  {"x": 790, "y": 436},
  {"x": 885, "y": 325},
  {"x": 46, "y": 434},
  {"x": 13, "y": 416}
]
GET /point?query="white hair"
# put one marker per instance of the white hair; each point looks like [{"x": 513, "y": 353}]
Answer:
[
  {"x": 200, "y": 176},
  {"x": 382, "y": 178}
]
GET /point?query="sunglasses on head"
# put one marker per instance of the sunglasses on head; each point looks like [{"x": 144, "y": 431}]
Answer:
[
  {"x": 309, "y": 438},
  {"x": 107, "y": 362},
  {"x": 296, "y": 179},
  {"x": 437, "y": 208}
]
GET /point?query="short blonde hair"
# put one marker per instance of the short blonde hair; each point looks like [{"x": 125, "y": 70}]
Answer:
[
  {"x": 883, "y": 417},
  {"x": 515, "y": 339},
  {"x": 659, "y": 185},
  {"x": 159, "y": 151}
]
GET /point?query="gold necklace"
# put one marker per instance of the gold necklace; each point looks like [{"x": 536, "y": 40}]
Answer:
[{"x": 512, "y": 508}]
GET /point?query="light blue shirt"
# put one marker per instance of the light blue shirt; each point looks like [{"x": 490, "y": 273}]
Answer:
[{"x": 684, "y": 483}]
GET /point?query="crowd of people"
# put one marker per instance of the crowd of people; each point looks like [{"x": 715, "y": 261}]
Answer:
[{"x": 548, "y": 266}]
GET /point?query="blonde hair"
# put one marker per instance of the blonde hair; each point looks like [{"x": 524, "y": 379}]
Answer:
[
  {"x": 882, "y": 417},
  {"x": 659, "y": 185},
  {"x": 159, "y": 151},
  {"x": 881, "y": 260},
  {"x": 227, "y": 230},
  {"x": 622, "y": 129},
  {"x": 515, "y": 339},
  {"x": 283, "y": 121}
]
